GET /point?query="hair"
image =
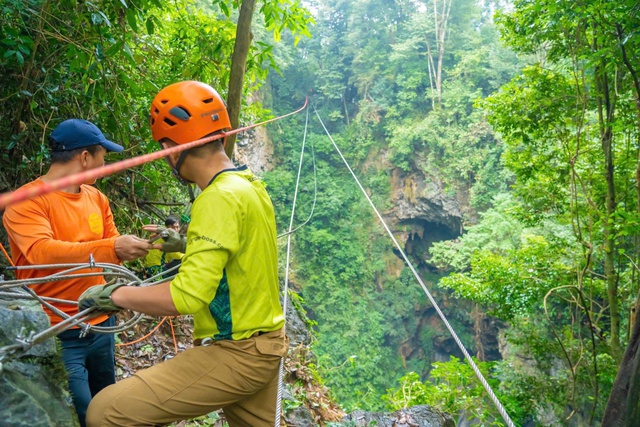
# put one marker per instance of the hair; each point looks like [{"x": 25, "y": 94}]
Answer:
[
  {"x": 171, "y": 220},
  {"x": 68, "y": 155},
  {"x": 201, "y": 151},
  {"x": 206, "y": 149}
]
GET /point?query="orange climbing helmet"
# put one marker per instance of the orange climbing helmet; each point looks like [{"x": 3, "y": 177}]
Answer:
[{"x": 187, "y": 111}]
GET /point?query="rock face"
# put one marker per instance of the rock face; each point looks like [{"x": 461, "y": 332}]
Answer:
[
  {"x": 422, "y": 214},
  {"x": 416, "y": 197},
  {"x": 297, "y": 330},
  {"x": 417, "y": 416},
  {"x": 33, "y": 389},
  {"x": 254, "y": 149}
]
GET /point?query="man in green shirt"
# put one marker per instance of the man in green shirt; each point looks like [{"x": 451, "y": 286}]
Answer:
[{"x": 228, "y": 281}]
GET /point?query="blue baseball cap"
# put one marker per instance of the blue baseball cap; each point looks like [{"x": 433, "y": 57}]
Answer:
[{"x": 78, "y": 133}]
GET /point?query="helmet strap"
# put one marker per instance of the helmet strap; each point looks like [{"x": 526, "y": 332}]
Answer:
[
  {"x": 183, "y": 155},
  {"x": 175, "y": 169},
  {"x": 192, "y": 196}
]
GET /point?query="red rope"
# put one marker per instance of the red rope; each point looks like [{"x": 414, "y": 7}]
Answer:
[
  {"x": 124, "y": 344},
  {"x": 20, "y": 195},
  {"x": 4, "y": 251},
  {"x": 173, "y": 334}
]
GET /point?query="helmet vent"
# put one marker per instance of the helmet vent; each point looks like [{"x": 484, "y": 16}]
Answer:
[
  {"x": 207, "y": 101},
  {"x": 153, "y": 121},
  {"x": 156, "y": 110},
  {"x": 180, "y": 113},
  {"x": 169, "y": 122},
  {"x": 164, "y": 101}
]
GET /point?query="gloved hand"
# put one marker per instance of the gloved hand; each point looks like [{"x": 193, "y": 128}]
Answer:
[
  {"x": 173, "y": 241},
  {"x": 99, "y": 297}
]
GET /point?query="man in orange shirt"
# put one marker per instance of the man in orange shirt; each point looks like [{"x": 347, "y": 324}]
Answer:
[{"x": 69, "y": 226}]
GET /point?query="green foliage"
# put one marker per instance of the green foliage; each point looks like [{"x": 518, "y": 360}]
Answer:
[
  {"x": 516, "y": 282},
  {"x": 105, "y": 61},
  {"x": 541, "y": 258},
  {"x": 452, "y": 388},
  {"x": 497, "y": 232},
  {"x": 367, "y": 64}
]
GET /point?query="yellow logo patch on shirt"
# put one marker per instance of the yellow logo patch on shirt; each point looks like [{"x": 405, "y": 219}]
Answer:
[{"x": 95, "y": 223}]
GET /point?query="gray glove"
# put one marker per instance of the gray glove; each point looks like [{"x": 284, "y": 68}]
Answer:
[
  {"x": 99, "y": 297},
  {"x": 173, "y": 241}
]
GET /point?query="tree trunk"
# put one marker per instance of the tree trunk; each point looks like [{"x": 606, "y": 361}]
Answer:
[
  {"x": 623, "y": 406},
  {"x": 606, "y": 106},
  {"x": 238, "y": 67},
  {"x": 442, "y": 32}
]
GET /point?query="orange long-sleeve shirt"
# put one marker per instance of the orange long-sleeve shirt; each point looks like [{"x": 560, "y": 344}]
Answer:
[{"x": 59, "y": 228}]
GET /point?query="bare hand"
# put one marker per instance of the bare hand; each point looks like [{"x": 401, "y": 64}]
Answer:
[{"x": 129, "y": 247}]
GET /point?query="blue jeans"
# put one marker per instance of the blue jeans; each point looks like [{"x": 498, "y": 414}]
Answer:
[{"x": 90, "y": 364}]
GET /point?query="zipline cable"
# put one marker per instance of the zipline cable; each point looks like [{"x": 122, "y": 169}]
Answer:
[
  {"x": 286, "y": 274},
  {"x": 485, "y": 384},
  {"x": 20, "y": 195}
]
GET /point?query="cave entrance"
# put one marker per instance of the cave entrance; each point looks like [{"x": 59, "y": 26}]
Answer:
[{"x": 421, "y": 235}]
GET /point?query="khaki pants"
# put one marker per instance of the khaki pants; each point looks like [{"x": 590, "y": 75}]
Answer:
[{"x": 241, "y": 377}]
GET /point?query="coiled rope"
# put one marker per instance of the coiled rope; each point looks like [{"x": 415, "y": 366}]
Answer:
[
  {"x": 19, "y": 289},
  {"x": 485, "y": 384}
]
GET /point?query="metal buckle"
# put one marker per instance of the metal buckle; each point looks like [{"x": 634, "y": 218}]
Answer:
[{"x": 206, "y": 341}]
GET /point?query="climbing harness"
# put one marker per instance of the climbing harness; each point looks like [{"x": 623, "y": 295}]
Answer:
[{"x": 485, "y": 384}]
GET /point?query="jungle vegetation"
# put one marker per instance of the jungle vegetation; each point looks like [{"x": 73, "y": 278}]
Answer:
[{"x": 524, "y": 114}]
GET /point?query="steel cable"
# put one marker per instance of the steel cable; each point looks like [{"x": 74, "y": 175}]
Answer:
[{"x": 485, "y": 384}]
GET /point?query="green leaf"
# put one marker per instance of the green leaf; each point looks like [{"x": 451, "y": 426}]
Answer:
[
  {"x": 132, "y": 19},
  {"x": 24, "y": 49},
  {"x": 225, "y": 9},
  {"x": 129, "y": 54},
  {"x": 105, "y": 19},
  {"x": 150, "y": 25}
]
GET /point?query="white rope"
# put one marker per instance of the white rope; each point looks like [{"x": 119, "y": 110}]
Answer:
[
  {"x": 315, "y": 197},
  {"x": 286, "y": 273},
  {"x": 484, "y": 382}
]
